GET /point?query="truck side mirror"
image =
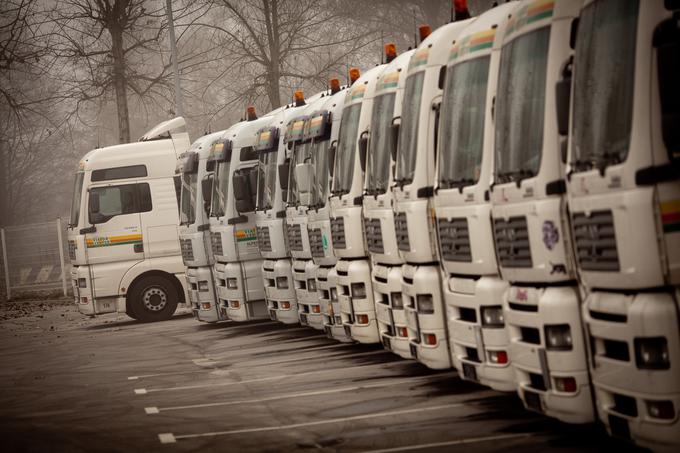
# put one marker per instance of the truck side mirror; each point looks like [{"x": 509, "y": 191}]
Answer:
[
  {"x": 284, "y": 170},
  {"x": 243, "y": 194},
  {"x": 331, "y": 158},
  {"x": 666, "y": 40},
  {"x": 363, "y": 149},
  {"x": 303, "y": 173},
  {"x": 442, "y": 77},
  {"x": 206, "y": 191},
  {"x": 252, "y": 176},
  {"x": 396, "y": 125},
  {"x": 94, "y": 203},
  {"x": 562, "y": 100},
  {"x": 573, "y": 33}
]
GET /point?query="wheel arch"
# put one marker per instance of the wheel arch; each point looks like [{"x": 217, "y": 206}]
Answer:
[{"x": 155, "y": 273}]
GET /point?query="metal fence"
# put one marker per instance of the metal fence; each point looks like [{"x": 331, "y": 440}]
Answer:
[{"x": 34, "y": 258}]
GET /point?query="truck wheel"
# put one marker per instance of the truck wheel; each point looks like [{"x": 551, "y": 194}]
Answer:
[{"x": 153, "y": 299}]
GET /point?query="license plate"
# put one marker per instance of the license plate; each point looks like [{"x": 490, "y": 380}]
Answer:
[
  {"x": 533, "y": 401},
  {"x": 386, "y": 343},
  {"x": 619, "y": 427},
  {"x": 414, "y": 350},
  {"x": 272, "y": 314},
  {"x": 303, "y": 319},
  {"x": 348, "y": 331},
  {"x": 469, "y": 372}
]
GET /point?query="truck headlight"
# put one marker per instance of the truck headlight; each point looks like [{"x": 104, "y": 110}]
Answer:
[
  {"x": 661, "y": 409},
  {"x": 425, "y": 303},
  {"x": 397, "y": 301},
  {"x": 652, "y": 353},
  {"x": 311, "y": 285},
  {"x": 203, "y": 286},
  {"x": 282, "y": 282},
  {"x": 358, "y": 290},
  {"x": 232, "y": 283},
  {"x": 558, "y": 337},
  {"x": 493, "y": 316},
  {"x": 82, "y": 283}
]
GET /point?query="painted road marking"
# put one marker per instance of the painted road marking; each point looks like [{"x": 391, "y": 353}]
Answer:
[
  {"x": 171, "y": 373},
  {"x": 470, "y": 440},
  {"x": 267, "y": 362},
  {"x": 157, "y": 410},
  {"x": 166, "y": 438},
  {"x": 144, "y": 391}
]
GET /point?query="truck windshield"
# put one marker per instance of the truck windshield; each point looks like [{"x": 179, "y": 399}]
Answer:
[
  {"x": 462, "y": 123},
  {"x": 300, "y": 155},
  {"x": 603, "y": 84},
  {"x": 378, "y": 166},
  {"x": 344, "y": 161},
  {"x": 220, "y": 190},
  {"x": 408, "y": 135},
  {"x": 320, "y": 180},
  {"x": 521, "y": 107},
  {"x": 266, "y": 180},
  {"x": 188, "y": 198},
  {"x": 77, "y": 197}
]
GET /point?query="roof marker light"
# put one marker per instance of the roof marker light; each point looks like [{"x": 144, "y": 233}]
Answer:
[
  {"x": 251, "y": 115},
  {"x": 354, "y": 75},
  {"x": 390, "y": 52},
  {"x": 299, "y": 97},
  {"x": 424, "y": 31},
  {"x": 335, "y": 85}
]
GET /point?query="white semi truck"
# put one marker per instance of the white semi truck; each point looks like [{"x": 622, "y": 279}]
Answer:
[
  {"x": 381, "y": 240},
  {"x": 413, "y": 192},
  {"x": 238, "y": 263},
  {"x": 542, "y": 308},
  {"x": 623, "y": 190},
  {"x": 194, "y": 227},
  {"x": 277, "y": 270},
  {"x": 122, "y": 235},
  {"x": 472, "y": 287},
  {"x": 354, "y": 289}
]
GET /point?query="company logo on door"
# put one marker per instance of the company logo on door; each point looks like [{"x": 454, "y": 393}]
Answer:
[{"x": 105, "y": 241}]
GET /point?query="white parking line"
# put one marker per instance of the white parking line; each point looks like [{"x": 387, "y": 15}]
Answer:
[
  {"x": 469, "y": 440},
  {"x": 167, "y": 438},
  {"x": 144, "y": 391},
  {"x": 157, "y": 410},
  {"x": 171, "y": 373}
]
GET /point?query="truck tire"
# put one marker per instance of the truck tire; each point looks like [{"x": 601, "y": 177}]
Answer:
[{"x": 152, "y": 299}]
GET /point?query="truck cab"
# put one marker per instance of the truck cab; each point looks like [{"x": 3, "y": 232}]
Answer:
[
  {"x": 354, "y": 289},
  {"x": 413, "y": 195},
  {"x": 238, "y": 263},
  {"x": 378, "y": 147},
  {"x": 542, "y": 307},
  {"x": 473, "y": 290},
  {"x": 194, "y": 227},
  {"x": 623, "y": 191},
  {"x": 277, "y": 272},
  {"x": 122, "y": 235}
]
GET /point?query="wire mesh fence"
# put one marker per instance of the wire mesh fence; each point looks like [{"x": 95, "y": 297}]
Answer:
[{"x": 34, "y": 258}]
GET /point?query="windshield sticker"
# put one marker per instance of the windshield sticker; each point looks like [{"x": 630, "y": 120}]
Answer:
[
  {"x": 473, "y": 43},
  {"x": 315, "y": 125},
  {"x": 106, "y": 241},
  {"x": 535, "y": 11},
  {"x": 357, "y": 92},
  {"x": 295, "y": 131},
  {"x": 420, "y": 58},
  {"x": 670, "y": 216},
  {"x": 390, "y": 80},
  {"x": 247, "y": 235}
]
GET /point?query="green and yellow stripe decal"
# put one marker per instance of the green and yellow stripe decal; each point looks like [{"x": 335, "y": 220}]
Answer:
[
  {"x": 388, "y": 81},
  {"x": 473, "y": 43},
  {"x": 670, "y": 216},
  {"x": 247, "y": 235},
  {"x": 106, "y": 241},
  {"x": 419, "y": 58},
  {"x": 533, "y": 12}
]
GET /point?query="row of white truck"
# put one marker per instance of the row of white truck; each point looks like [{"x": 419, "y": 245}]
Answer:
[{"x": 503, "y": 200}]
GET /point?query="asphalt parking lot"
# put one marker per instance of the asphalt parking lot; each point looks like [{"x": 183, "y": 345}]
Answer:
[{"x": 112, "y": 384}]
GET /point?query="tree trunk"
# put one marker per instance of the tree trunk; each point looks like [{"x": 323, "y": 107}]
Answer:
[
  {"x": 274, "y": 72},
  {"x": 5, "y": 213},
  {"x": 120, "y": 84}
]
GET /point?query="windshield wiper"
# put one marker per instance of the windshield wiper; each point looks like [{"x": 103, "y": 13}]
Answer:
[
  {"x": 516, "y": 175},
  {"x": 456, "y": 183}
]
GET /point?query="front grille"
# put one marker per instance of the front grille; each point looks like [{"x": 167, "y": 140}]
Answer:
[
  {"x": 264, "y": 242},
  {"x": 596, "y": 241},
  {"x": 338, "y": 232},
  {"x": 512, "y": 242},
  {"x": 454, "y": 237},
  {"x": 72, "y": 246},
  {"x": 187, "y": 250},
  {"x": 374, "y": 238},
  {"x": 216, "y": 243},
  {"x": 316, "y": 242},
  {"x": 401, "y": 230},
  {"x": 295, "y": 237}
]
